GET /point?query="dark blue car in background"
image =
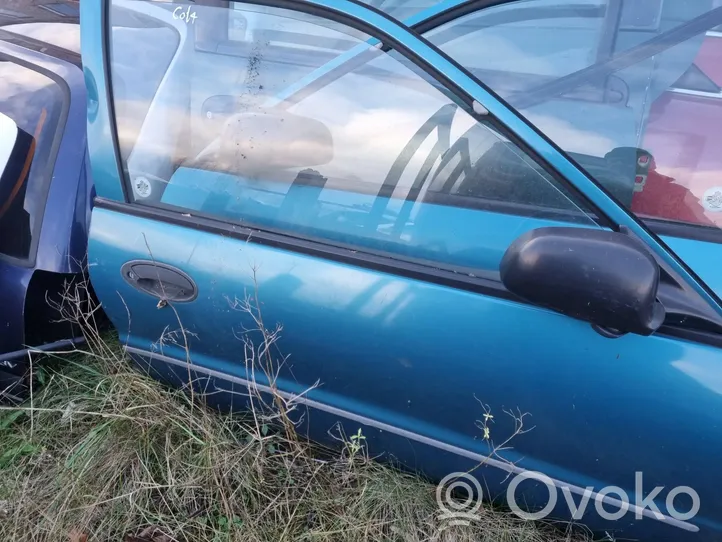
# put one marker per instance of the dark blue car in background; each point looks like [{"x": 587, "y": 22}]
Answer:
[{"x": 45, "y": 196}]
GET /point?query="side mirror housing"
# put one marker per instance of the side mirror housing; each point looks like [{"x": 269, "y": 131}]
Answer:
[{"x": 599, "y": 276}]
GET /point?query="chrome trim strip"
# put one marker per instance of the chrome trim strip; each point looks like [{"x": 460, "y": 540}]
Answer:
[
  {"x": 700, "y": 93},
  {"x": 507, "y": 467},
  {"x": 63, "y": 344}
]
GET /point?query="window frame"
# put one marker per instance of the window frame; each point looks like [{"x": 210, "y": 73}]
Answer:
[
  {"x": 318, "y": 8},
  {"x": 47, "y": 175},
  {"x": 462, "y": 99}
]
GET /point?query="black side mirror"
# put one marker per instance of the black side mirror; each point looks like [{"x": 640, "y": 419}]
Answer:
[{"x": 599, "y": 276}]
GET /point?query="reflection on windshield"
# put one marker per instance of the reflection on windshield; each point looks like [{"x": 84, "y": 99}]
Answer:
[
  {"x": 34, "y": 102},
  {"x": 402, "y": 9}
]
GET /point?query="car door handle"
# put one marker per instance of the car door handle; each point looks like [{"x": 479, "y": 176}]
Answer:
[{"x": 160, "y": 280}]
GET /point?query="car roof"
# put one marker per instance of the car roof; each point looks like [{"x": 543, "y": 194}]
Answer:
[
  {"x": 39, "y": 11},
  {"x": 48, "y": 26}
]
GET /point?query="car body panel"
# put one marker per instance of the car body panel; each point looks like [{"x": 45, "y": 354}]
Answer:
[
  {"x": 100, "y": 139},
  {"x": 463, "y": 345},
  {"x": 703, "y": 257},
  {"x": 60, "y": 248}
]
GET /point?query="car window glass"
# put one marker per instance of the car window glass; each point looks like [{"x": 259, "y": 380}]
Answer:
[
  {"x": 143, "y": 47},
  {"x": 646, "y": 129},
  {"x": 402, "y": 9},
  {"x": 373, "y": 154},
  {"x": 35, "y": 103}
]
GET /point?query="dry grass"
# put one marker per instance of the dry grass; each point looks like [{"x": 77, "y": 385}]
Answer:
[
  {"x": 107, "y": 452},
  {"x": 102, "y": 452}
]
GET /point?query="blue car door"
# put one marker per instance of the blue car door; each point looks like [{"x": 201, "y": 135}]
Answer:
[{"x": 317, "y": 170}]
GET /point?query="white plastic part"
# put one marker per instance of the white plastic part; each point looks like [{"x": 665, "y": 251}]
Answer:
[
  {"x": 479, "y": 109},
  {"x": 8, "y": 140}
]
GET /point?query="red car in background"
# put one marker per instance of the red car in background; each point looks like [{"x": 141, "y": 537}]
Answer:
[{"x": 680, "y": 179}]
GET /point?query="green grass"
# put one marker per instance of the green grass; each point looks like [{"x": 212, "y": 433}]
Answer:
[{"x": 105, "y": 452}]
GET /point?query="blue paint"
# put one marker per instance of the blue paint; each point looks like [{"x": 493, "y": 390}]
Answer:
[
  {"x": 100, "y": 143},
  {"x": 579, "y": 387},
  {"x": 62, "y": 203},
  {"x": 703, "y": 258},
  {"x": 418, "y": 356}
]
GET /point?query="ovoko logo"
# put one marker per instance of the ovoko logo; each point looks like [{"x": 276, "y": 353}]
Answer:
[{"x": 712, "y": 199}]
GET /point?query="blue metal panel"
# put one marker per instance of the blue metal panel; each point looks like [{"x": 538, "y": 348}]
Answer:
[
  {"x": 66, "y": 221},
  {"x": 705, "y": 258},
  {"x": 64, "y": 204},
  {"x": 14, "y": 280},
  {"x": 100, "y": 139}
]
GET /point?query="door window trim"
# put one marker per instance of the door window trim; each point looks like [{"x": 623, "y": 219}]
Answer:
[
  {"x": 109, "y": 99},
  {"x": 41, "y": 47},
  {"x": 47, "y": 175},
  {"x": 684, "y": 230},
  {"x": 475, "y": 280}
]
